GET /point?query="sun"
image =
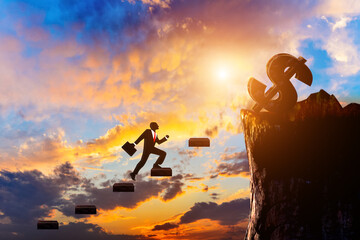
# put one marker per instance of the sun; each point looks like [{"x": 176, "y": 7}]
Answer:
[{"x": 222, "y": 73}]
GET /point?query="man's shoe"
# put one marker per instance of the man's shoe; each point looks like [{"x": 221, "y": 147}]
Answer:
[
  {"x": 156, "y": 166},
  {"x": 132, "y": 175}
]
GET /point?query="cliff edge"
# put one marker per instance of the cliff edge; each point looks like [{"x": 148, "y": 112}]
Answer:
[{"x": 304, "y": 166}]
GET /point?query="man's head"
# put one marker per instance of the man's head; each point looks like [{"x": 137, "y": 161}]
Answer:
[{"x": 154, "y": 126}]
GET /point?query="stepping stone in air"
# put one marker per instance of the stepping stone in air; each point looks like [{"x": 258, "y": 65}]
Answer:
[
  {"x": 199, "y": 142},
  {"x": 161, "y": 172},
  {"x": 43, "y": 224},
  {"x": 85, "y": 209},
  {"x": 123, "y": 187}
]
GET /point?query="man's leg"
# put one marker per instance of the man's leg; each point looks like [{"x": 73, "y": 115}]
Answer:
[
  {"x": 142, "y": 162},
  {"x": 161, "y": 157}
]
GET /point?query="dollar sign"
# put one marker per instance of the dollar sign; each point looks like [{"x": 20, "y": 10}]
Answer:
[{"x": 280, "y": 69}]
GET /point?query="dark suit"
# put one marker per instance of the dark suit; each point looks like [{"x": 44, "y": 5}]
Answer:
[{"x": 149, "y": 147}]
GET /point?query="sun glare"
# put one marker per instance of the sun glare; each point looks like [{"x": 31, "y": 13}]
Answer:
[{"x": 222, "y": 73}]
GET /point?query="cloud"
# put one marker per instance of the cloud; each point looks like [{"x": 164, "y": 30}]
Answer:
[
  {"x": 234, "y": 156},
  {"x": 341, "y": 47},
  {"x": 193, "y": 177},
  {"x": 77, "y": 230},
  {"x": 241, "y": 193},
  {"x": 205, "y": 188},
  {"x": 98, "y": 20},
  {"x": 236, "y": 231},
  {"x": 165, "y": 226},
  {"x": 231, "y": 164},
  {"x": 211, "y": 132},
  {"x": 233, "y": 169},
  {"x": 161, "y": 3},
  {"x": 341, "y": 23},
  {"x": 46, "y": 150},
  {"x": 224, "y": 213},
  {"x": 164, "y": 189},
  {"x": 338, "y": 8},
  {"x": 188, "y": 153},
  {"x": 207, "y": 221},
  {"x": 214, "y": 196},
  {"x": 267, "y": 16},
  {"x": 333, "y": 28},
  {"x": 336, "y": 35},
  {"x": 173, "y": 189},
  {"x": 29, "y": 195},
  {"x": 70, "y": 55}
]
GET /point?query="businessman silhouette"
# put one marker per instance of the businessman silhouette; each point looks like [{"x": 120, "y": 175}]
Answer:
[{"x": 150, "y": 138}]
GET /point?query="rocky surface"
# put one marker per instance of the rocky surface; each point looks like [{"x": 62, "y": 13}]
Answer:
[{"x": 304, "y": 166}]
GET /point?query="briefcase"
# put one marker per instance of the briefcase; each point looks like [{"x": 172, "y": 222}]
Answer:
[{"x": 129, "y": 148}]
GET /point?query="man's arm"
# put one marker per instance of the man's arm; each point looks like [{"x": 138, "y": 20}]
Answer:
[
  {"x": 140, "y": 138},
  {"x": 162, "y": 140}
]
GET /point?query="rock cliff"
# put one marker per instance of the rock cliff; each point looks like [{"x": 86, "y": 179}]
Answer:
[{"x": 305, "y": 175}]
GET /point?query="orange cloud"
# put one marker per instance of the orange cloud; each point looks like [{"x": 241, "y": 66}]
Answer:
[
  {"x": 202, "y": 229},
  {"x": 42, "y": 153}
]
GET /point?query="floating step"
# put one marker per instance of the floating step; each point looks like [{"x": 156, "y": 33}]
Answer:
[
  {"x": 199, "y": 142},
  {"x": 85, "y": 209},
  {"x": 161, "y": 172},
  {"x": 45, "y": 224},
  {"x": 123, "y": 187}
]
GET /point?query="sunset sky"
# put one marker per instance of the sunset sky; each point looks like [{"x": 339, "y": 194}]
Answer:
[{"x": 80, "y": 78}]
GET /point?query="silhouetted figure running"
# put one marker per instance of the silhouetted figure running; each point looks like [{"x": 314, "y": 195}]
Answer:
[{"x": 150, "y": 138}]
